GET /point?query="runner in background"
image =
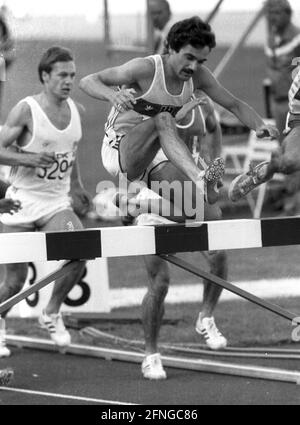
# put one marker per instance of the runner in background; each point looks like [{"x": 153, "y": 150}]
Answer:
[
  {"x": 282, "y": 47},
  {"x": 39, "y": 140}
]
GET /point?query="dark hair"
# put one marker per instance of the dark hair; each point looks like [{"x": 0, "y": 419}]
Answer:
[
  {"x": 284, "y": 5},
  {"x": 191, "y": 31},
  {"x": 51, "y": 56}
]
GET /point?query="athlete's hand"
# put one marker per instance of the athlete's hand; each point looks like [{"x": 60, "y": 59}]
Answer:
[
  {"x": 188, "y": 107},
  {"x": 81, "y": 200},
  {"x": 267, "y": 131},
  {"x": 123, "y": 100},
  {"x": 39, "y": 160},
  {"x": 9, "y": 206}
]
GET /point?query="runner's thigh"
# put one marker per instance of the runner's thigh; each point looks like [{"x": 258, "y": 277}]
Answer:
[
  {"x": 170, "y": 174},
  {"x": 138, "y": 148},
  {"x": 65, "y": 220}
]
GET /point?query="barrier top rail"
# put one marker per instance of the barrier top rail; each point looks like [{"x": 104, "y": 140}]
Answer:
[{"x": 109, "y": 242}]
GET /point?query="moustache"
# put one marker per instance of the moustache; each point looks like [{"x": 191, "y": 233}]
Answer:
[{"x": 188, "y": 71}]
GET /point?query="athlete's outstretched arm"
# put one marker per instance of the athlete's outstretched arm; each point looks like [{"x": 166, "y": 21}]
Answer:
[
  {"x": 82, "y": 201},
  {"x": 245, "y": 113},
  {"x": 188, "y": 107},
  {"x": 103, "y": 84},
  {"x": 13, "y": 128}
]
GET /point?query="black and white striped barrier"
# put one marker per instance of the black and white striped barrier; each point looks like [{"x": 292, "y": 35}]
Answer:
[
  {"x": 156, "y": 240},
  {"x": 148, "y": 240}
]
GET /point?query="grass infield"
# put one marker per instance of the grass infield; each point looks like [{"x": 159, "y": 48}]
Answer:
[{"x": 241, "y": 322}]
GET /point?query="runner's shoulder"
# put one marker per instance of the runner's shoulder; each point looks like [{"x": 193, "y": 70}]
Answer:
[
  {"x": 203, "y": 77},
  {"x": 142, "y": 66},
  {"x": 81, "y": 109},
  {"x": 20, "y": 113}
]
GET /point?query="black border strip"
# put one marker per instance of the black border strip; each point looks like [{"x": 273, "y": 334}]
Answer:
[
  {"x": 77, "y": 245},
  {"x": 181, "y": 238},
  {"x": 280, "y": 232}
]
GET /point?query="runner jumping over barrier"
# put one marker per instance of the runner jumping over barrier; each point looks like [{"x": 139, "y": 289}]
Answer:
[{"x": 142, "y": 124}]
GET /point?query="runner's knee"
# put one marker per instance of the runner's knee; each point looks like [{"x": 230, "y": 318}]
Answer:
[
  {"x": 16, "y": 277},
  {"x": 218, "y": 261},
  {"x": 159, "y": 275},
  {"x": 219, "y": 257},
  {"x": 164, "y": 120}
]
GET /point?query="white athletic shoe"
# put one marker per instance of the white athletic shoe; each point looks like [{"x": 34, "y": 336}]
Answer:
[
  {"x": 4, "y": 351},
  {"x": 245, "y": 183},
  {"x": 207, "y": 328},
  {"x": 152, "y": 368},
  {"x": 56, "y": 328}
]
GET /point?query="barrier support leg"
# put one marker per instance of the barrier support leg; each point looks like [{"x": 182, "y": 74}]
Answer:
[
  {"x": 8, "y": 304},
  {"x": 229, "y": 287}
]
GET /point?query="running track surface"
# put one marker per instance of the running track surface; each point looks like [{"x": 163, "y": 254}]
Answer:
[{"x": 43, "y": 378}]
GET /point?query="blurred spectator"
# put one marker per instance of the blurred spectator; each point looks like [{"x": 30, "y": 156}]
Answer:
[
  {"x": 283, "y": 45},
  {"x": 162, "y": 21}
]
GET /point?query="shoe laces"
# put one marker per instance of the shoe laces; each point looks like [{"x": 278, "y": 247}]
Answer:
[
  {"x": 59, "y": 323},
  {"x": 254, "y": 171},
  {"x": 251, "y": 175},
  {"x": 211, "y": 329},
  {"x": 153, "y": 361},
  {"x": 54, "y": 323}
]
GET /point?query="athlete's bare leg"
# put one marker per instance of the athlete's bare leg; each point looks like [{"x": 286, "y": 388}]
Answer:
[
  {"x": 218, "y": 264},
  {"x": 158, "y": 272},
  {"x": 218, "y": 267},
  {"x": 153, "y": 303},
  {"x": 184, "y": 194},
  {"x": 16, "y": 274},
  {"x": 176, "y": 149},
  {"x": 139, "y": 147}
]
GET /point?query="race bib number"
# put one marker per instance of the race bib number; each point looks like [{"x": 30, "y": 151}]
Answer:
[{"x": 61, "y": 167}]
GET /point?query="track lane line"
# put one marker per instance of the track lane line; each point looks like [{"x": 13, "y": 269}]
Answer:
[{"x": 66, "y": 397}]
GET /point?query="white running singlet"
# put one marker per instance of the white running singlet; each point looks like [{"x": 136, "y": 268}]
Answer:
[
  {"x": 42, "y": 191},
  {"x": 156, "y": 99},
  {"x": 294, "y": 95},
  {"x": 54, "y": 181}
]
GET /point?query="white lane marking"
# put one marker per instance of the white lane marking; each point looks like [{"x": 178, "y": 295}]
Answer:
[
  {"x": 192, "y": 293},
  {"x": 66, "y": 397}
]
